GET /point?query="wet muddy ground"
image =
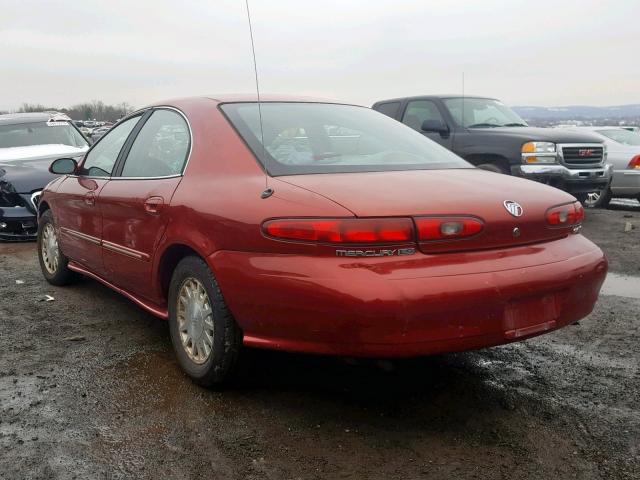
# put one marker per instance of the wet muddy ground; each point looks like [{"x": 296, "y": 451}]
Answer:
[{"x": 89, "y": 388}]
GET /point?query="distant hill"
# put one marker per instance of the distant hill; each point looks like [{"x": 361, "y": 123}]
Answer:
[{"x": 579, "y": 111}]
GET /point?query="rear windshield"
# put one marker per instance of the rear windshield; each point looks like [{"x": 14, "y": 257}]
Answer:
[
  {"x": 40, "y": 133},
  {"x": 304, "y": 138},
  {"x": 622, "y": 136}
]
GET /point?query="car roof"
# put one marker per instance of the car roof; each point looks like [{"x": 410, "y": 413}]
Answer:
[
  {"x": 431, "y": 97},
  {"x": 204, "y": 101},
  {"x": 34, "y": 117}
]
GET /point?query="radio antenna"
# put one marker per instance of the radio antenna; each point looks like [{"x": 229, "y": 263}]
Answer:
[
  {"x": 462, "y": 100},
  {"x": 268, "y": 191}
]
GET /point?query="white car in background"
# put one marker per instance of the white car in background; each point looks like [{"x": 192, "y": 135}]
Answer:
[{"x": 623, "y": 148}]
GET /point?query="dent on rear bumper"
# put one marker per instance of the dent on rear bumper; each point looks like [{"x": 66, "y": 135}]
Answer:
[{"x": 405, "y": 307}]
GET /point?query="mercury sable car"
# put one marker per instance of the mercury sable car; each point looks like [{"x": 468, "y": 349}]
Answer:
[
  {"x": 29, "y": 142},
  {"x": 313, "y": 227}
]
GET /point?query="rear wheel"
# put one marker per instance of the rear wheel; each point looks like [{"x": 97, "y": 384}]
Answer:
[
  {"x": 52, "y": 261},
  {"x": 205, "y": 336}
]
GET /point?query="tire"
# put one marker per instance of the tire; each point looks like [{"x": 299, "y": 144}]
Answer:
[
  {"x": 492, "y": 167},
  {"x": 599, "y": 199},
  {"x": 217, "y": 329},
  {"x": 55, "y": 270},
  {"x": 605, "y": 199}
]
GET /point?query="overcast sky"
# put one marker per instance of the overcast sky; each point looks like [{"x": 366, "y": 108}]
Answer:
[{"x": 526, "y": 53}]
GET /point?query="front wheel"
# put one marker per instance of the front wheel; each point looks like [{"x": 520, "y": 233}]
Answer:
[
  {"x": 492, "y": 167},
  {"x": 204, "y": 334},
  {"x": 53, "y": 263},
  {"x": 597, "y": 199}
]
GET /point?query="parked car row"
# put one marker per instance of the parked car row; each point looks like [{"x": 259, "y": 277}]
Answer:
[
  {"x": 91, "y": 129},
  {"x": 325, "y": 228},
  {"x": 593, "y": 163}
]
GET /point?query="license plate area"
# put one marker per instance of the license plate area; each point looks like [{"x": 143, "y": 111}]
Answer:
[{"x": 529, "y": 316}]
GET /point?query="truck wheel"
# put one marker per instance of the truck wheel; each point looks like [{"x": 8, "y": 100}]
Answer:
[
  {"x": 597, "y": 199},
  {"x": 492, "y": 167},
  {"x": 53, "y": 263},
  {"x": 205, "y": 336}
]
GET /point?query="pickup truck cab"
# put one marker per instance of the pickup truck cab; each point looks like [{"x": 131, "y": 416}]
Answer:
[{"x": 490, "y": 135}]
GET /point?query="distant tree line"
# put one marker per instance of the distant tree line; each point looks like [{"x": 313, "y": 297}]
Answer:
[{"x": 94, "y": 110}]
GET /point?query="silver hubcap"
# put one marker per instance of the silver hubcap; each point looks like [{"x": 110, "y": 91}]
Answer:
[
  {"x": 195, "y": 320},
  {"x": 49, "y": 249}
]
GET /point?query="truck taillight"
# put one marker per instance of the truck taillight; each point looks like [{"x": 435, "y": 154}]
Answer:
[
  {"x": 634, "y": 163},
  {"x": 341, "y": 230},
  {"x": 568, "y": 215},
  {"x": 447, "y": 228}
]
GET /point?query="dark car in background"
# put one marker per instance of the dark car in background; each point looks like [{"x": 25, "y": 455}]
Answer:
[
  {"x": 490, "y": 135},
  {"x": 29, "y": 142}
]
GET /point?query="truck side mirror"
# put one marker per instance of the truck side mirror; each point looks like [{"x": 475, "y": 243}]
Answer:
[{"x": 436, "y": 126}]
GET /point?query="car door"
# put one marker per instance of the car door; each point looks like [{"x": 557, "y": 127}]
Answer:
[
  {"x": 78, "y": 214},
  {"x": 136, "y": 201},
  {"x": 419, "y": 111}
]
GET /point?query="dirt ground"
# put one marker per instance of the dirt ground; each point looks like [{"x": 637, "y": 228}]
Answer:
[{"x": 89, "y": 389}]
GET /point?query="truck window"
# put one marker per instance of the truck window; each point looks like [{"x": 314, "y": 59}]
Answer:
[
  {"x": 389, "y": 109},
  {"x": 418, "y": 111}
]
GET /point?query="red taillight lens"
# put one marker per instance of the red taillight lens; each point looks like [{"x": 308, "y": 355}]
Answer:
[
  {"x": 634, "y": 163},
  {"x": 350, "y": 230},
  {"x": 565, "y": 215},
  {"x": 445, "y": 228}
]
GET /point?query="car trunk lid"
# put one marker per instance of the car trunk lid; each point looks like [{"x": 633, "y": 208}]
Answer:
[{"x": 447, "y": 193}]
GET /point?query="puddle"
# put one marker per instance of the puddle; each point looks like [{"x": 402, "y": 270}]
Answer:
[{"x": 621, "y": 286}]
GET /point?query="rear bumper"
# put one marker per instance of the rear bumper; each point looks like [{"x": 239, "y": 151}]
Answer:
[
  {"x": 573, "y": 180},
  {"x": 423, "y": 304},
  {"x": 17, "y": 224}
]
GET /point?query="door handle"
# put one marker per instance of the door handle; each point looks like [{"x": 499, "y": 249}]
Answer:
[
  {"x": 90, "y": 199},
  {"x": 153, "y": 205}
]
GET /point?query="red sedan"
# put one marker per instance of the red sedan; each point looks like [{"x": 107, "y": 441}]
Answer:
[{"x": 312, "y": 227}]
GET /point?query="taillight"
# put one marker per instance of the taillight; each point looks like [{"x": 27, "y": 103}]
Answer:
[
  {"x": 348, "y": 230},
  {"x": 447, "y": 228},
  {"x": 567, "y": 215},
  {"x": 634, "y": 163}
]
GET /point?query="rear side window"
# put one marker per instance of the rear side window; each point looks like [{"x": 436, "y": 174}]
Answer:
[
  {"x": 102, "y": 157},
  {"x": 161, "y": 147},
  {"x": 419, "y": 111},
  {"x": 389, "y": 109}
]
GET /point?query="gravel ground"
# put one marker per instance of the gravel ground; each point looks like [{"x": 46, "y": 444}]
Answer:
[{"x": 89, "y": 388}]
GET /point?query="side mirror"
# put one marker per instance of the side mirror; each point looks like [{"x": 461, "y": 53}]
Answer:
[
  {"x": 436, "y": 126},
  {"x": 63, "y": 166}
]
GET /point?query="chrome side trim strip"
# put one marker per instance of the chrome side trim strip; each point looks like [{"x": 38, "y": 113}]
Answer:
[
  {"x": 114, "y": 247},
  {"x": 80, "y": 235},
  {"x": 129, "y": 252}
]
